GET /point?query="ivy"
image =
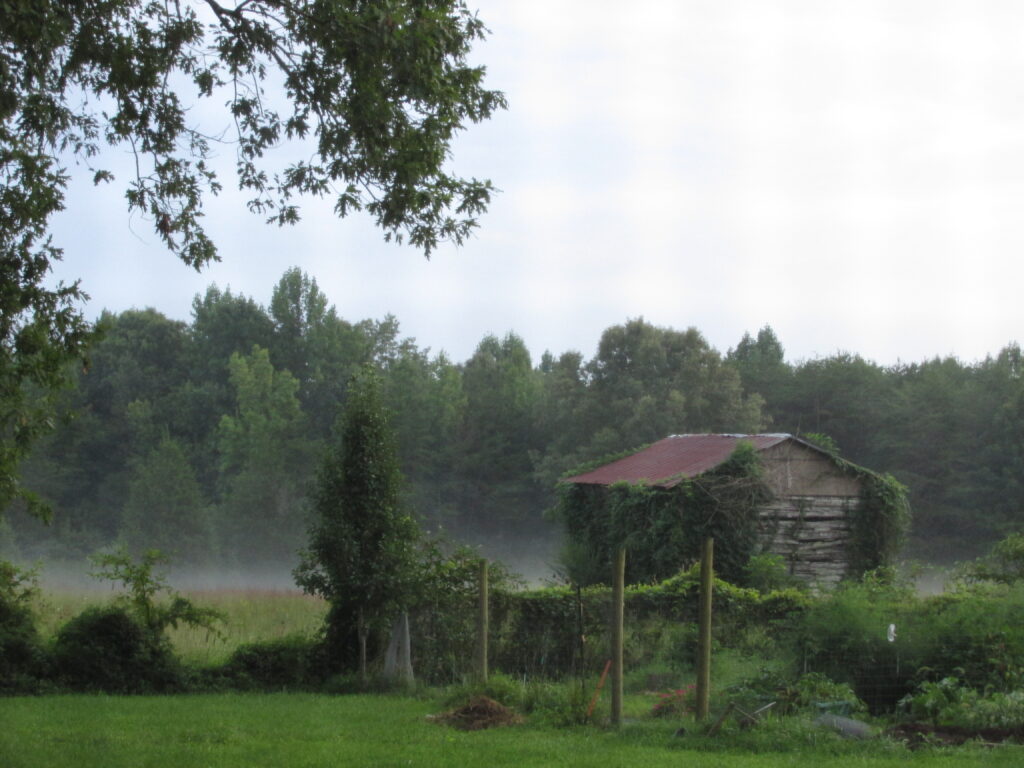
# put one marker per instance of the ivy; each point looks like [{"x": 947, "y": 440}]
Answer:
[
  {"x": 662, "y": 528},
  {"x": 880, "y": 521}
]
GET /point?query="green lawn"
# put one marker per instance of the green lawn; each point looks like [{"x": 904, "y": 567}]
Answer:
[{"x": 317, "y": 730}]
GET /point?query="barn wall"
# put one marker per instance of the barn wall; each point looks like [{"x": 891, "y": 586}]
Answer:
[
  {"x": 808, "y": 522},
  {"x": 810, "y": 533}
]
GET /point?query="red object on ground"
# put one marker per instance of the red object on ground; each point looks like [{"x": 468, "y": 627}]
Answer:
[{"x": 600, "y": 685}]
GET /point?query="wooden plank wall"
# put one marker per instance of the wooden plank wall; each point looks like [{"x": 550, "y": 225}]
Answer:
[{"x": 810, "y": 533}]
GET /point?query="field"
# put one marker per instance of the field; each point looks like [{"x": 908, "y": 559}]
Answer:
[
  {"x": 315, "y": 730},
  {"x": 249, "y": 615}
]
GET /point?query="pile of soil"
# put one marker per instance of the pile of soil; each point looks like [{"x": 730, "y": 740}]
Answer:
[
  {"x": 918, "y": 734},
  {"x": 481, "y": 712}
]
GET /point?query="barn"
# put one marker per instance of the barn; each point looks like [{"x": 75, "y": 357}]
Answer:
[{"x": 828, "y": 518}]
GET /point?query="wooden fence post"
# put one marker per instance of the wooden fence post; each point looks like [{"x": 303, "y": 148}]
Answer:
[
  {"x": 618, "y": 602},
  {"x": 483, "y": 622},
  {"x": 707, "y": 575}
]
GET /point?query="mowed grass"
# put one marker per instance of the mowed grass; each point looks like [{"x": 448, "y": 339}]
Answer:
[
  {"x": 301, "y": 730},
  {"x": 250, "y": 615}
]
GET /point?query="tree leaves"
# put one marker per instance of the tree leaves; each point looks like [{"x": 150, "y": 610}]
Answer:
[{"x": 380, "y": 88}]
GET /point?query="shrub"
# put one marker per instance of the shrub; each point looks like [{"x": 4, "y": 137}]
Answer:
[
  {"x": 844, "y": 636},
  {"x": 767, "y": 573},
  {"x": 107, "y": 649},
  {"x": 949, "y": 702},
  {"x": 288, "y": 662},
  {"x": 21, "y": 651}
]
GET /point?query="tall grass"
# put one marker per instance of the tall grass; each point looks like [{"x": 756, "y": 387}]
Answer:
[{"x": 250, "y": 615}]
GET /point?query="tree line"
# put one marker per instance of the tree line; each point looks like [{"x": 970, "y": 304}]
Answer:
[{"x": 202, "y": 438}]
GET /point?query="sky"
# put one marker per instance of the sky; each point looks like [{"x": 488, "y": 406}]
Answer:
[{"x": 849, "y": 173}]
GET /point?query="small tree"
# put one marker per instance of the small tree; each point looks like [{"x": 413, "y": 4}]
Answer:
[{"x": 363, "y": 552}]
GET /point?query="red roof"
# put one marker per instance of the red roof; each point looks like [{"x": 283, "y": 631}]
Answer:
[{"x": 666, "y": 462}]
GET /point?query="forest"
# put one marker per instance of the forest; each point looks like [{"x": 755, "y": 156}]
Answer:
[{"x": 201, "y": 438}]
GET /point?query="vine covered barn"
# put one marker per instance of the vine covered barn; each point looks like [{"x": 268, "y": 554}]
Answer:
[{"x": 809, "y": 510}]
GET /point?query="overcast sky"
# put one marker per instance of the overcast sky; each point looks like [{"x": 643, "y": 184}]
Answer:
[{"x": 849, "y": 172}]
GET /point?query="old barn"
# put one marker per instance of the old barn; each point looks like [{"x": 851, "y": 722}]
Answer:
[{"x": 826, "y": 517}]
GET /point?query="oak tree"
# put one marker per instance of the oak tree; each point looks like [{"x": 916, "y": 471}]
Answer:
[{"x": 378, "y": 90}]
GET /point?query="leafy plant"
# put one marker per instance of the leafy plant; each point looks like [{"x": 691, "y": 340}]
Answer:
[
  {"x": 1004, "y": 564},
  {"x": 21, "y": 650},
  {"x": 107, "y": 648},
  {"x": 949, "y": 702},
  {"x": 282, "y": 664},
  {"x": 143, "y": 585},
  {"x": 123, "y": 647}
]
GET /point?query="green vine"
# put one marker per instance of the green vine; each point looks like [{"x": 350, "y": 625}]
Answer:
[
  {"x": 662, "y": 529},
  {"x": 879, "y": 522}
]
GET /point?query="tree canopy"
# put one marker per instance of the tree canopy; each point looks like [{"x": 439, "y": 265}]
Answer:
[{"x": 377, "y": 91}]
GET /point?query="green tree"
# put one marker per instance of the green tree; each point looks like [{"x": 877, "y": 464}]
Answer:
[
  {"x": 165, "y": 508},
  {"x": 424, "y": 396},
  {"x": 647, "y": 382},
  {"x": 139, "y": 365},
  {"x": 502, "y": 393},
  {"x": 264, "y": 458},
  {"x": 761, "y": 365},
  {"x": 379, "y": 89},
  {"x": 363, "y": 554},
  {"x": 320, "y": 349}
]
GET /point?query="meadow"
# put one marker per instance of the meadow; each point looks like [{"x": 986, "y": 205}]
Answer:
[{"x": 250, "y": 615}]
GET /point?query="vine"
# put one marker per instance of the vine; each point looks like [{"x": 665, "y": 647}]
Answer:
[
  {"x": 663, "y": 527},
  {"x": 879, "y": 522}
]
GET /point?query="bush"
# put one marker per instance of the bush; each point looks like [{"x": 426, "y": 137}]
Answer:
[
  {"x": 948, "y": 702},
  {"x": 22, "y": 657},
  {"x": 768, "y": 573},
  {"x": 845, "y": 637},
  {"x": 975, "y": 634},
  {"x": 286, "y": 663},
  {"x": 106, "y": 649}
]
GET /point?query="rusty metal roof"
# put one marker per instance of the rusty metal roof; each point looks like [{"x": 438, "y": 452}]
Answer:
[{"x": 666, "y": 462}]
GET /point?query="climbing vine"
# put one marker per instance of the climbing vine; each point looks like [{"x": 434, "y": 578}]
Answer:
[
  {"x": 879, "y": 523},
  {"x": 662, "y": 528}
]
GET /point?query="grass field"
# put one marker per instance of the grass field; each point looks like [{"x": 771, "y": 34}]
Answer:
[
  {"x": 250, "y": 615},
  {"x": 314, "y": 730}
]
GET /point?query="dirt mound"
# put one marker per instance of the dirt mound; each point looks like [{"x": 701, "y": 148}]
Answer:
[{"x": 481, "y": 712}]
